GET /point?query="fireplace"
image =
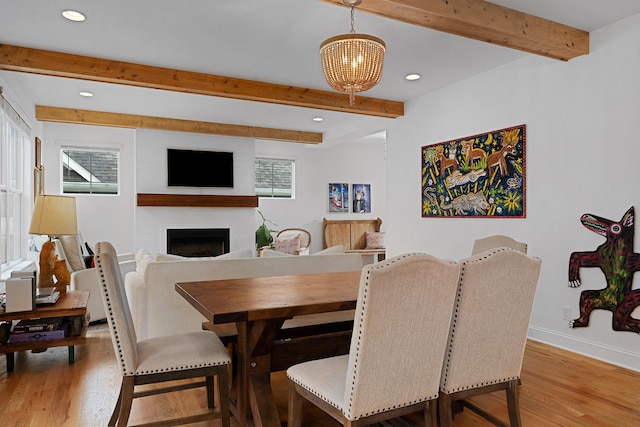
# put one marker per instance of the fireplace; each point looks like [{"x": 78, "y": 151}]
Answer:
[{"x": 198, "y": 242}]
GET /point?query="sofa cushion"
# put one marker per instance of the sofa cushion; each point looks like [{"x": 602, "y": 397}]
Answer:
[
  {"x": 240, "y": 253},
  {"x": 288, "y": 245},
  {"x": 337, "y": 249},
  {"x": 375, "y": 240}
]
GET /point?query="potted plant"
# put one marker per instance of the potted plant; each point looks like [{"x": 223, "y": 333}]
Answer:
[{"x": 263, "y": 233}]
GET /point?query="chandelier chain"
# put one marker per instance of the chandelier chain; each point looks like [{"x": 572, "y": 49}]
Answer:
[{"x": 353, "y": 31}]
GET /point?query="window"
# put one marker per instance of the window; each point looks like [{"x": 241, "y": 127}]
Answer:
[
  {"x": 14, "y": 137},
  {"x": 274, "y": 178},
  {"x": 87, "y": 171}
]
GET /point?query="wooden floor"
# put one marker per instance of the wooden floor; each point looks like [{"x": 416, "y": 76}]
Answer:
[{"x": 558, "y": 389}]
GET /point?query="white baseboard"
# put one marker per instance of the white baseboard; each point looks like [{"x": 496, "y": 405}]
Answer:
[{"x": 615, "y": 356}]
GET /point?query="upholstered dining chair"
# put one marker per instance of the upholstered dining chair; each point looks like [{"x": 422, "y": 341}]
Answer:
[
  {"x": 489, "y": 331},
  {"x": 497, "y": 241},
  {"x": 302, "y": 235},
  {"x": 156, "y": 360},
  {"x": 402, "y": 319}
]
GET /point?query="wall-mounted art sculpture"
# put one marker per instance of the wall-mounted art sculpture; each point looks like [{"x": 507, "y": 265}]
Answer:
[{"x": 618, "y": 262}]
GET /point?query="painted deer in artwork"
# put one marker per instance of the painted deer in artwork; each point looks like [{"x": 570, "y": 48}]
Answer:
[
  {"x": 446, "y": 163},
  {"x": 471, "y": 153},
  {"x": 618, "y": 262},
  {"x": 498, "y": 159}
]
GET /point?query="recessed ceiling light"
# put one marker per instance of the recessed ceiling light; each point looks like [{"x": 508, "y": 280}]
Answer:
[
  {"x": 318, "y": 119},
  {"x": 85, "y": 93},
  {"x": 73, "y": 15},
  {"x": 413, "y": 76}
]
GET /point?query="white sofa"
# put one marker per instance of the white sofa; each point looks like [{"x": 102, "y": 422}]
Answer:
[{"x": 157, "y": 309}]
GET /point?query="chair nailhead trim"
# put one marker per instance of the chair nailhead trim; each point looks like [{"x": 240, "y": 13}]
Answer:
[{"x": 128, "y": 371}]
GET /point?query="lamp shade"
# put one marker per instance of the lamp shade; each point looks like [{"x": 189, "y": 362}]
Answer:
[{"x": 54, "y": 216}]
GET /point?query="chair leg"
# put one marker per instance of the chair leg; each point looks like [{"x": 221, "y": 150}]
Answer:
[
  {"x": 446, "y": 414},
  {"x": 431, "y": 413},
  {"x": 223, "y": 392},
  {"x": 211, "y": 401},
  {"x": 513, "y": 404},
  {"x": 126, "y": 399},
  {"x": 116, "y": 410},
  {"x": 295, "y": 407}
]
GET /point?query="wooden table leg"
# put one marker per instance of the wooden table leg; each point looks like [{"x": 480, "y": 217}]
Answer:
[
  {"x": 255, "y": 340},
  {"x": 10, "y": 361}
]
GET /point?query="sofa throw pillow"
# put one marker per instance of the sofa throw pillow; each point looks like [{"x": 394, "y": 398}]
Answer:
[
  {"x": 288, "y": 245},
  {"x": 270, "y": 253},
  {"x": 72, "y": 252},
  {"x": 375, "y": 240},
  {"x": 143, "y": 258}
]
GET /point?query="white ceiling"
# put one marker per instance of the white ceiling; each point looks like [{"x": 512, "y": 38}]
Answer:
[{"x": 274, "y": 41}]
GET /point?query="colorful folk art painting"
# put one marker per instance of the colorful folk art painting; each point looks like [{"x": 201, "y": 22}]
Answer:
[
  {"x": 476, "y": 176},
  {"x": 618, "y": 261},
  {"x": 339, "y": 197}
]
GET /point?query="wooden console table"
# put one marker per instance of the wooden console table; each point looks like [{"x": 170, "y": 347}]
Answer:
[{"x": 71, "y": 304}]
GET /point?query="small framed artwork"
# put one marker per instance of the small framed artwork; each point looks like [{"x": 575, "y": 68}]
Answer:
[
  {"x": 38, "y": 181},
  {"x": 38, "y": 152},
  {"x": 338, "y": 197},
  {"x": 361, "y": 194}
]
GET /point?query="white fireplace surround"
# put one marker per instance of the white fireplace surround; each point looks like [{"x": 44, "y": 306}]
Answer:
[{"x": 152, "y": 222}]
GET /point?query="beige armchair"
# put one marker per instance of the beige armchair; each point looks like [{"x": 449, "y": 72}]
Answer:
[
  {"x": 489, "y": 331},
  {"x": 497, "y": 241},
  {"x": 399, "y": 339},
  {"x": 160, "y": 359}
]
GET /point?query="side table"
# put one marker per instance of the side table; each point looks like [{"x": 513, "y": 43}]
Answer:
[{"x": 71, "y": 304}]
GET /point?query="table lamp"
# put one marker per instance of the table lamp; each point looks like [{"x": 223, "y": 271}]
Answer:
[{"x": 53, "y": 216}]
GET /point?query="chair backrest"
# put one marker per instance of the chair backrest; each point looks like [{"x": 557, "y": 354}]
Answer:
[
  {"x": 123, "y": 334},
  {"x": 305, "y": 236},
  {"x": 489, "y": 326},
  {"x": 400, "y": 332},
  {"x": 497, "y": 241}
]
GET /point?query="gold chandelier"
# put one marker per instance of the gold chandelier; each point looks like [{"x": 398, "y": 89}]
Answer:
[{"x": 352, "y": 62}]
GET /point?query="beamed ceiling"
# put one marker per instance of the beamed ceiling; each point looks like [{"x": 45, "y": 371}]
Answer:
[{"x": 249, "y": 69}]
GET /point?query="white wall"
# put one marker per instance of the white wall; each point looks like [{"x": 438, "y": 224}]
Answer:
[{"x": 582, "y": 156}]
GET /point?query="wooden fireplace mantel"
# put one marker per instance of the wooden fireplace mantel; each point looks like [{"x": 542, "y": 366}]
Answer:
[{"x": 197, "y": 200}]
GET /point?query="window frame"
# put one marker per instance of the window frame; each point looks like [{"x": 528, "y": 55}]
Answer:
[
  {"x": 290, "y": 161},
  {"x": 64, "y": 162},
  {"x": 15, "y": 136}
]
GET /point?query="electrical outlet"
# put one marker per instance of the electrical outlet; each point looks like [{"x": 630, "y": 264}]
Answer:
[{"x": 566, "y": 312}]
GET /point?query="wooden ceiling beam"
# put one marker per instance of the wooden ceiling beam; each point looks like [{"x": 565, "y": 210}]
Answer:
[
  {"x": 99, "y": 118},
  {"x": 48, "y": 63},
  {"x": 487, "y": 22}
]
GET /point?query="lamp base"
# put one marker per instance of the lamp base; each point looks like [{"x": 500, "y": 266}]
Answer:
[{"x": 51, "y": 268}]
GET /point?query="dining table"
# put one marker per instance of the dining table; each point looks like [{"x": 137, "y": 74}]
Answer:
[{"x": 259, "y": 307}]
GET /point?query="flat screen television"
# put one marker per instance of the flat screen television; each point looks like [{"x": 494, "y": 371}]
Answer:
[{"x": 196, "y": 168}]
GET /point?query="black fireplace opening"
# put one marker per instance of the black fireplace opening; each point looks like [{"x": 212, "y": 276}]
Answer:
[{"x": 198, "y": 242}]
